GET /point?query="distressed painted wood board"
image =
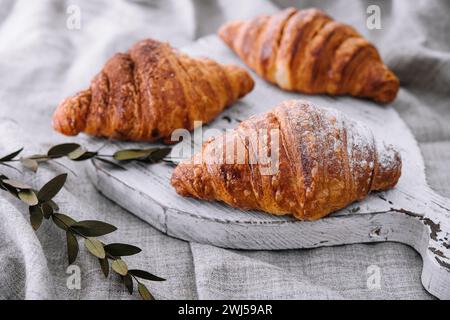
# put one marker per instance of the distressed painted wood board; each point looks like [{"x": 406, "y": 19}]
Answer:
[{"x": 411, "y": 213}]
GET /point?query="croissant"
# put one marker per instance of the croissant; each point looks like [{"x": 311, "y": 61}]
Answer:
[
  {"x": 319, "y": 161},
  {"x": 309, "y": 52},
  {"x": 147, "y": 93}
]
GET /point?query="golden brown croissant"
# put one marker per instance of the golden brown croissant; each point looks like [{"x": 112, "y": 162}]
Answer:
[
  {"x": 322, "y": 162},
  {"x": 147, "y": 93},
  {"x": 309, "y": 52}
]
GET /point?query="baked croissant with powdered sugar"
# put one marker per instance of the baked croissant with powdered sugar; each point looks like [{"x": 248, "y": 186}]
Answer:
[
  {"x": 150, "y": 91},
  {"x": 296, "y": 159},
  {"x": 309, "y": 52}
]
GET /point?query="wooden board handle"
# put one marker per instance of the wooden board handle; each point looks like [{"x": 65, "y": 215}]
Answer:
[{"x": 435, "y": 247}]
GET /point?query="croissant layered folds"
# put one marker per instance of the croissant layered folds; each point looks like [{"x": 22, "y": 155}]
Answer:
[
  {"x": 147, "y": 93},
  {"x": 325, "y": 161},
  {"x": 309, "y": 52}
]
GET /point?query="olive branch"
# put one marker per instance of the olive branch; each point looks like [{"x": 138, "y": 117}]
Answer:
[{"x": 42, "y": 206}]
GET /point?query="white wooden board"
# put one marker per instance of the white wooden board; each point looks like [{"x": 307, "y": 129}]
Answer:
[{"x": 411, "y": 213}]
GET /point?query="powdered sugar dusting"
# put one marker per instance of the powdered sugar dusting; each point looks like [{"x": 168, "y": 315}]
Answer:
[
  {"x": 360, "y": 144},
  {"x": 388, "y": 157}
]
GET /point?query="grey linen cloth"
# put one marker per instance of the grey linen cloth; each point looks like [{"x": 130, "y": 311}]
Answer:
[{"x": 42, "y": 61}]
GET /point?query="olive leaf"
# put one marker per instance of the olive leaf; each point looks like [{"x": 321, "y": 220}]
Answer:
[
  {"x": 158, "y": 155},
  {"x": 121, "y": 249},
  {"x": 132, "y": 154},
  {"x": 104, "y": 265},
  {"x": 31, "y": 164},
  {"x": 51, "y": 188},
  {"x": 5, "y": 186},
  {"x": 42, "y": 206},
  {"x": 39, "y": 157},
  {"x": 10, "y": 189},
  {"x": 77, "y": 153},
  {"x": 47, "y": 210},
  {"x": 143, "y": 291},
  {"x": 120, "y": 267},
  {"x": 63, "y": 221},
  {"x": 92, "y": 228},
  {"x": 111, "y": 163},
  {"x": 29, "y": 197},
  {"x": 11, "y": 156},
  {"x": 95, "y": 247},
  {"x": 52, "y": 204},
  {"x": 170, "y": 163},
  {"x": 128, "y": 282},
  {"x": 86, "y": 156},
  {"x": 145, "y": 275},
  {"x": 36, "y": 217},
  {"x": 72, "y": 247},
  {"x": 151, "y": 155},
  {"x": 16, "y": 184},
  {"x": 62, "y": 150}
]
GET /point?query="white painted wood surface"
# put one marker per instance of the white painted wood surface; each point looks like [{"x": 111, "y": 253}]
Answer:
[{"x": 411, "y": 213}]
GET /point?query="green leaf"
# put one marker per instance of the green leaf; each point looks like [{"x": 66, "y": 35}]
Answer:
[
  {"x": 72, "y": 247},
  {"x": 53, "y": 204},
  {"x": 11, "y": 156},
  {"x": 39, "y": 157},
  {"x": 143, "y": 291},
  {"x": 132, "y": 154},
  {"x": 92, "y": 228},
  {"x": 16, "y": 184},
  {"x": 95, "y": 247},
  {"x": 145, "y": 275},
  {"x": 29, "y": 197},
  {"x": 77, "y": 153},
  {"x": 63, "y": 221},
  {"x": 158, "y": 155},
  {"x": 128, "y": 282},
  {"x": 86, "y": 156},
  {"x": 170, "y": 163},
  {"x": 47, "y": 210},
  {"x": 151, "y": 155},
  {"x": 121, "y": 249},
  {"x": 104, "y": 264},
  {"x": 120, "y": 267},
  {"x": 36, "y": 217},
  {"x": 30, "y": 164},
  {"x": 62, "y": 150},
  {"x": 111, "y": 163},
  {"x": 51, "y": 188},
  {"x": 11, "y": 190}
]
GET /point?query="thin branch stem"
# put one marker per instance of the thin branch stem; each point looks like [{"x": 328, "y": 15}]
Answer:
[
  {"x": 45, "y": 158},
  {"x": 68, "y": 227},
  {"x": 105, "y": 155},
  {"x": 136, "y": 279}
]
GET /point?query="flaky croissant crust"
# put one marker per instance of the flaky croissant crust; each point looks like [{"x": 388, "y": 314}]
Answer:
[
  {"x": 309, "y": 52},
  {"x": 325, "y": 162},
  {"x": 148, "y": 92}
]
